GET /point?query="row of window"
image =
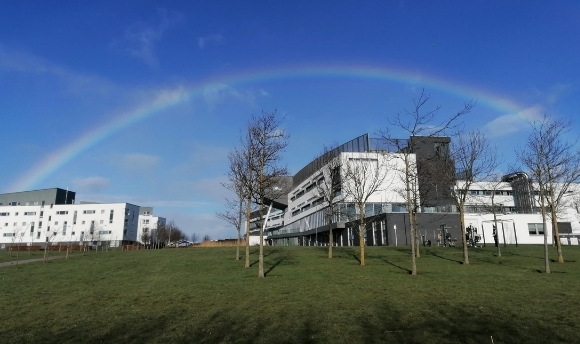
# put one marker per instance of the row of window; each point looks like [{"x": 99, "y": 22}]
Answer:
[
  {"x": 26, "y": 213},
  {"x": 490, "y": 192},
  {"x": 307, "y": 189}
]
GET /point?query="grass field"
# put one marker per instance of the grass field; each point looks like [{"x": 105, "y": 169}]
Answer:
[{"x": 202, "y": 295}]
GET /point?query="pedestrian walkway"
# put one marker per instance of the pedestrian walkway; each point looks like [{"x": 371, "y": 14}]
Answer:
[{"x": 25, "y": 261}]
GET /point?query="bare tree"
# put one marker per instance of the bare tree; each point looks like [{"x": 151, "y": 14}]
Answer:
[
  {"x": 51, "y": 236},
  {"x": 234, "y": 212},
  {"x": 194, "y": 237},
  {"x": 174, "y": 233},
  {"x": 419, "y": 125},
  {"x": 497, "y": 185},
  {"x": 95, "y": 235},
  {"x": 267, "y": 140},
  {"x": 242, "y": 179},
  {"x": 554, "y": 163},
  {"x": 363, "y": 175},
  {"x": 161, "y": 235},
  {"x": 206, "y": 238},
  {"x": 17, "y": 236},
  {"x": 329, "y": 188},
  {"x": 145, "y": 237},
  {"x": 474, "y": 161}
]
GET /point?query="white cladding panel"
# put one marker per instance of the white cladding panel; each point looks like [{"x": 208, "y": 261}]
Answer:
[{"x": 68, "y": 223}]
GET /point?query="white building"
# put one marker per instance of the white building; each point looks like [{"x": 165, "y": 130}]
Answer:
[
  {"x": 516, "y": 224},
  {"x": 34, "y": 218},
  {"x": 148, "y": 223},
  {"x": 300, "y": 220}
]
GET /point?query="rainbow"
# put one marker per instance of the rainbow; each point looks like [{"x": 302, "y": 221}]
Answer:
[{"x": 167, "y": 99}]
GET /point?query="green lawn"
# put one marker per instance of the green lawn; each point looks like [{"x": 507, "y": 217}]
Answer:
[{"x": 202, "y": 295}]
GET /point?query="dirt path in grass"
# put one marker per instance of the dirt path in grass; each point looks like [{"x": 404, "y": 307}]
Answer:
[{"x": 24, "y": 261}]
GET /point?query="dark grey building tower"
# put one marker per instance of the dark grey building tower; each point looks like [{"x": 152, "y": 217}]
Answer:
[
  {"x": 38, "y": 197},
  {"x": 434, "y": 168}
]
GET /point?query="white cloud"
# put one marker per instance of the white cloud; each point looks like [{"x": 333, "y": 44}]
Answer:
[
  {"x": 209, "y": 39},
  {"x": 140, "y": 38},
  {"x": 72, "y": 81},
  {"x": 216, "y": 94},
  {"x": 91, "y": 184},
  {"x": 512, "y": 123}
]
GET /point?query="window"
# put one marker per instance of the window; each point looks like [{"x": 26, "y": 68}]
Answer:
[
  {"x": 101, "y": 222},
  {"x": 41, "y": 213},
  {"x": 474, "y": 192},
  {"x": 13, "y": 203},
  {"x": 72, "y": 233},
  {"x": 62, "y": 212},
  {"x": 56, "y": 223},
  {"x": 16, "y": 213},
  {"x": 105, "y": 232},
  {"x": 88, "y": 211},
  {"x": 145, "y": 230},
  {"x": 4, "y": 214},
  {"x": 8, "y": 234},
  {"x": 23, "y": 223},
  {"x": 49, "y": 217},
  {"x": 83, "y": 222},
  {"x": 29, "y": 213},
  {"x": 38, "y": 235},
  {"x": 102, "y": 211},
  {"x": 536, "y": 228},
  {"x": 111, "y": 216},
  {"x": 40, "y": 224}
]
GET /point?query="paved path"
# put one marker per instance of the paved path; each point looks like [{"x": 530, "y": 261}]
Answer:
[{"x": 24, "y": 261}]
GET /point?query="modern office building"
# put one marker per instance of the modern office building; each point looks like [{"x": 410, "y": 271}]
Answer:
[{"x": 301, "y": 219}]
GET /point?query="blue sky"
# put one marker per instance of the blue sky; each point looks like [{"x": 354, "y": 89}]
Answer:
[{"x": 140, "y": 101}]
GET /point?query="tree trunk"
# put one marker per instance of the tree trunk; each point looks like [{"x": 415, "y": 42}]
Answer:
[
  {"x": 556, "y": 234},
  {"x": 413, "y": 258},
  {"x": 546, "y": 257},
  {"x": 496, "y": 233},
  {"x": 417, "y": 237},
  {"x": 362, "y": 229},
  {"x": 463, "y": 238},
  {"x": 261, "y": 256},
  {"x": 248, "y": 210},
  {"x": 330, "y": 241},
  {"x": 240, "y": 210}
]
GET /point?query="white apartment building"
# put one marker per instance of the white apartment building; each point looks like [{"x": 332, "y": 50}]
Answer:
[
  {"x": 35, "y": 218},
  {"x": 148, "y": 223}
]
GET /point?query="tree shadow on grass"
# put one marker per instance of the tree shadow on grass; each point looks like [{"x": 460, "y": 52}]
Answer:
[
  {"x": 275, "y": 264},
  {"x": 444, "y": 323},
  {"x": 435, "y": 254},
  {"x": 395, "y": 265},
  {"x": 346, "y": 253}
]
